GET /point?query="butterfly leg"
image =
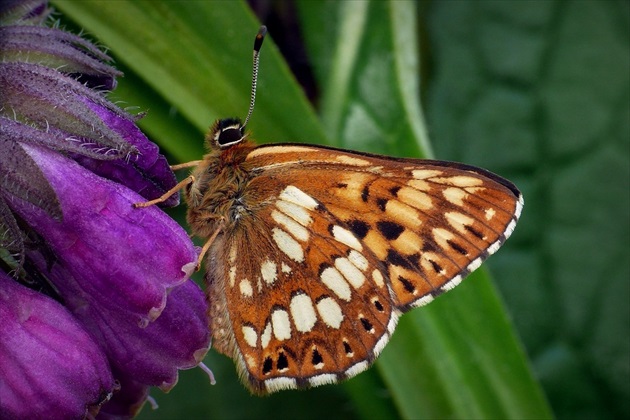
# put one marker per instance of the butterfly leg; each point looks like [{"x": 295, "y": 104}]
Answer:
[
  {"x": 209, "y": 242},
  {"x": 180, "y": 185}
]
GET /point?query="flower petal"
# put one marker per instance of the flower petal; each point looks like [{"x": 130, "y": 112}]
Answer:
[
  {"x": 50, "y": 366},
  {"x": 122, "y": 257},
  {"x": 178, "y": 339}
]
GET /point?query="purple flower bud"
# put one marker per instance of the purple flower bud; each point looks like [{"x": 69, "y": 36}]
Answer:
[
  {"x": 23, "y": 12},
  {"x": 51, "y": 47},
  {"x": 145, "y": 171},
  {"x": 49, "y": 365},
  {"x": 101, "y": 137}
]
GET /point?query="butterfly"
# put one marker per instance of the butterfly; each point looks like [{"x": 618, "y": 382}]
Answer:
[{"x": 313, "y": 253}]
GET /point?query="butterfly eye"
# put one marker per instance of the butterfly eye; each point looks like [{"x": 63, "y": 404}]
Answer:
[{"x": 229, "y": 132}]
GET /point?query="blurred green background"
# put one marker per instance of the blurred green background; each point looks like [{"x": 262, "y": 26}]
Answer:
[{"x": 536, "y": 91}]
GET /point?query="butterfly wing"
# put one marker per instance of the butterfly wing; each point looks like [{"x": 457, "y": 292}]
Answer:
[{"x": 338, "y": 245}]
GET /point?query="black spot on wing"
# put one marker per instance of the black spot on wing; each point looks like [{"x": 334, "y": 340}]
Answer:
[
  {"x": 474, "y": 231},
  {"x": 283, "y": 362},
  {"x": 393, "y": 257},
  {"x": 378, "y": 306},
  {"x": 408, "y": 286},
  {"x": 317, "y": 358},
  {"x": 365, "y": 194},
  {"x": 457, "y": 247},
  {"x": 347, "y": 348},
  {"x": 267, "y": 365},
  {"x": 390, "y": 230},
  {"x": 437, "y": 267},
  {"x": 367, "y": 325},
  {"x": 359, "y": 228}
]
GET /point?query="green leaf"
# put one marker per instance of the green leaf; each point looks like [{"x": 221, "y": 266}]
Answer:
[
  {"x": 192, "y": 56},
  {"x": 189, "y": 63},
  {"x": 539, "y": 92}
]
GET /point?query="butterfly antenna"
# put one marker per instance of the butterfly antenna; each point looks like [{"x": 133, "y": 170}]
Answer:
[{"x": 260, "y": 37}]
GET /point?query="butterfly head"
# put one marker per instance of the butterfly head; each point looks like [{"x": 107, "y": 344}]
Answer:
[{"x": 226, "y": 133}]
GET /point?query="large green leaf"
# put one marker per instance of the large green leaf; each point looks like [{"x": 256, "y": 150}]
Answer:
[
  {"x": 539, "y": 91},
  {"x": 189, "y": 63}
]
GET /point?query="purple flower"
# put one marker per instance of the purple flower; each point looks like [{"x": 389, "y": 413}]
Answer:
[
  {"x": 114, "y": 280},
  {"x": 48, "y": 362}
]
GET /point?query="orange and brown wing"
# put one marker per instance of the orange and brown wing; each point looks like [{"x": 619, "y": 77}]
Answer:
[{"x": 338, "y": 244}]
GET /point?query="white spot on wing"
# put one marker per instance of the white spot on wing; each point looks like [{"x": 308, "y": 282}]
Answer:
[
  {"x": 354, "y": 276},
  {"x": 260, "y": 151},
  {"x": 346, "y": 237},
  {"x": 454, "y": 195},
  {"x": 358, "y": 260},
  {"x": 426, "y": 262},
  {"x": 415, "y": 198},
  {"x": 403, "y": 212},
  {"x": 269, "y": 272},
  {"x": 441, "y": 236},
  {"x": 490, "y": 213},
  {"x": 266, "y": 336},
  {"x": 451, "y": 284},
  {"x": 288, "y": 245},
  {"x": 425, "y": 173},
  {"x": 419, "y": 184},
  {"x": 349, "y": 160},
  {"x": 293, "y": 194},
  {"x": 245, "y": 287},
  {"x": 303, "y": 312},
  {"x": 281, "y": 324},
  {"x": 330, "y": 312},
  {"x": 494, "y": 247},
  {"x": 474, "y": 265},
  {"x": 250, "y": 335},
  {"x": 510, "y": 228},
  {"x": 459, "y": 181},
  {"x": 423, "y": 300},
  {"x": 393, "y": 320},
  {"x": 296, "y": 212},
  {"x": 458, "y": 220},
  {"x": 232, "y": 275},
  {"x": 332, "y": 278},
  {"x": 232, "y": 257},
  {"x": 519, "y": 207},
  {"x": 378, "y": 278},
  {"x": 298, "y": 231}
]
